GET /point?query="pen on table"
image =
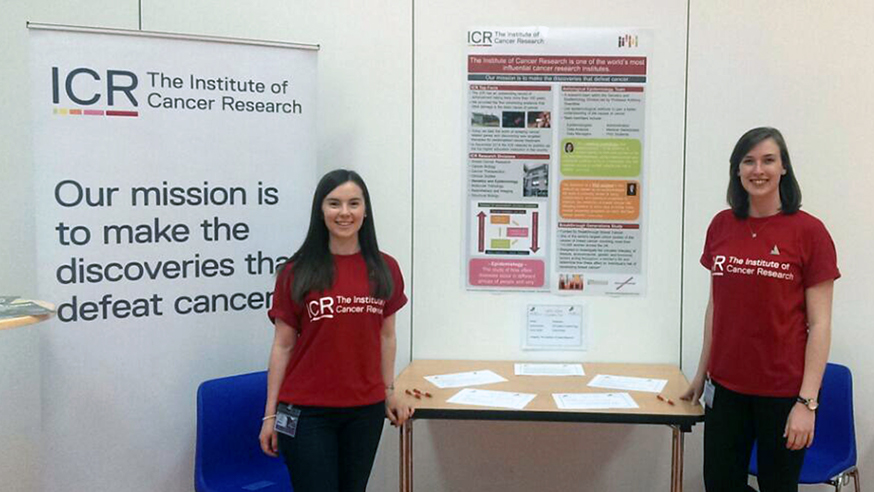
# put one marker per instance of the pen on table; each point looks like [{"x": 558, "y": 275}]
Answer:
[
  {"x": 418, "y": 393},
  {"x": 666, "y": 400}
]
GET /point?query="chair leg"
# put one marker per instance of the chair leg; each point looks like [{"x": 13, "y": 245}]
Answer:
[{"x": 844, "y": 478}]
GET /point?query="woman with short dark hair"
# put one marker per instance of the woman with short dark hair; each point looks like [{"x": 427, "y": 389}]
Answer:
[{"x": 767, "y": 327}]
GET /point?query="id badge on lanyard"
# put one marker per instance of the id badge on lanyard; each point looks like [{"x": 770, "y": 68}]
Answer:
[
  {"x": 709, "y": 391},
  {"x": 287, "y": 418}
]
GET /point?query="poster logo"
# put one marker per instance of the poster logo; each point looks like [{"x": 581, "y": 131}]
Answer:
[
  {"x": 628, "y": 41},
  {"x": 84, "y": 88},
  {"x": 479, "y": 38},
  {"x": 630, "y": 281}
]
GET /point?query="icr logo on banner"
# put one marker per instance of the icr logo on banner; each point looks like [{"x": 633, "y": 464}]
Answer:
[{"x": 84, "y": 86}]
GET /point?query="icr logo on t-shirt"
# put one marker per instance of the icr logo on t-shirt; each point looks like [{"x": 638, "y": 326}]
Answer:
[
  {"x": 321, "y": 308},
  {"x": 718, "y": 266},
  {"x": 752, "y": 266},
  {"x": 327, "y": 307}
]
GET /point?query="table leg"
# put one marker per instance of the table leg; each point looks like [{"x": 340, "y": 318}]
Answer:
[
  {"x": 406, "y": 456},
  {"x": 677, "y": 460}
]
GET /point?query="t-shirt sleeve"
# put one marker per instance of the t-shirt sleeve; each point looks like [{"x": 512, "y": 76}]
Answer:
[
  {"x": 283, "y": 307},
  {"x": 398, "y": 299},
  {"x": 820, "y": 260},
  {"x": 707, "y": 255}
]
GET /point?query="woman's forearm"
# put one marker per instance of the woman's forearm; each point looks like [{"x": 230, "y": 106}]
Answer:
[
  {"x": 819, "y": 307},
  {"x": 388, "y": 351},
  {"x": 704, "y": 359},
  {"x": 284, "y": 340}
]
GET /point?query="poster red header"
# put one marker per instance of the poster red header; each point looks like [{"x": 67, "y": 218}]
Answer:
[
  {"x": 578, "y": 88},
  {"x": 529, "y": 64},
  {"x": 491, "y": 87}
]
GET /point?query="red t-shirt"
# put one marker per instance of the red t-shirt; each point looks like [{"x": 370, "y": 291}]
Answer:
[
  {"x": 336, "y": 361},
  {"x": 759, "y": 310}
]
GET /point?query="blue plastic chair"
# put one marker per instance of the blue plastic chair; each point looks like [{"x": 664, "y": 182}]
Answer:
[
  {"x": 832, "y": 458},
  {"x": 228, "y": 455}
]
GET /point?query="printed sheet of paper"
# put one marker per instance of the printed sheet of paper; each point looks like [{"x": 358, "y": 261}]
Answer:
[
  {"x": 459, "y": 379},
  {"x": 489, "y": 398},
  {"x": 554, "y": 327},
  {"x": 593, "y": 401},
  {"x": 529, "y": 369},
  {"x": 628, "y": 383}
]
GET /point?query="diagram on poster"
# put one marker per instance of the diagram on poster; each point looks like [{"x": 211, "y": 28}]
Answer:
[
  {"x": 556, "y": 160},
  {"x": 504, "y": 231},
  {"x": 509, "y": 228}
]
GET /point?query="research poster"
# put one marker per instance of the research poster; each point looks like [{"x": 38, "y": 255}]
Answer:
[
  {"x": 556, "y": 160},
  {"x": 173, "y": 177}
]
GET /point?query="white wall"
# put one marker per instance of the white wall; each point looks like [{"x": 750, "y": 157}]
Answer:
[
  {"x": 799, "y": 66},
  {"x": 646, "y": 329},
  {"x": 20, "y": 397},
  {"x": 450, "y": 322}
]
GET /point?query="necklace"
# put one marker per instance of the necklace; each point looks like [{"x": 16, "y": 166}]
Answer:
[{"x": 764, "y": 224}]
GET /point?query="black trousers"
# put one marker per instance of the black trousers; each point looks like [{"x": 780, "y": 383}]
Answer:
[
  {"x": 334, "y": 448},
  {"x": 731, "y": 426}
]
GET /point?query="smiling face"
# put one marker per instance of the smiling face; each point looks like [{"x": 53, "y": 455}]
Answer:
[
  {"x": 760, "y": 171},
  {"x": 344, "y": 212}
]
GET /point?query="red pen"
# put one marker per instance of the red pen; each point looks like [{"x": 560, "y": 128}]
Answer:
[{"x": 666, "y": 400}]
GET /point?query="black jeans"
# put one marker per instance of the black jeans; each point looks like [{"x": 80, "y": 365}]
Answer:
[
  {"x": 731, "y": 426},
  {"x": 334, "y": 448}
]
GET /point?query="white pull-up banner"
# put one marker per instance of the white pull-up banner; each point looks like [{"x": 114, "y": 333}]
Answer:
[{"x": 173, "y": 174}]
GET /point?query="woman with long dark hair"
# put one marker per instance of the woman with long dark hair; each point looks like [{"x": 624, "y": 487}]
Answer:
[
  {"x": 331, "y": 371},
  {"x": 767, "y": 327}
]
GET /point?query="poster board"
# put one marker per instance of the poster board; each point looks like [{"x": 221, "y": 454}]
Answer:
[{"x": 556, "y": 156}]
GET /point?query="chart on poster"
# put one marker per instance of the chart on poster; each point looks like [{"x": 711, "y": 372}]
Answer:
[{"x": 556, "y": 160}]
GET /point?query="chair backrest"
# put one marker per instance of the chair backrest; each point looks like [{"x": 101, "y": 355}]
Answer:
[
  {"x": 835, "y": 426},
  {"x": 229, "y": 412},
  {"x": 835, "y": 434}
]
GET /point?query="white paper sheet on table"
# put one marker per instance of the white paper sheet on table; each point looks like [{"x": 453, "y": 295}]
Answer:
[
  {"x": 489, "y": 398},
  {"x": 528, "y": 369},
  {"x": 593, "y": 401},
  {"x": 459, "y": 379},
  {"x": 628, "y": 383}
]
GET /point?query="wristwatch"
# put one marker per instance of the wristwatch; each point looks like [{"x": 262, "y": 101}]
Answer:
[{"x": 810, "y": 403}]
